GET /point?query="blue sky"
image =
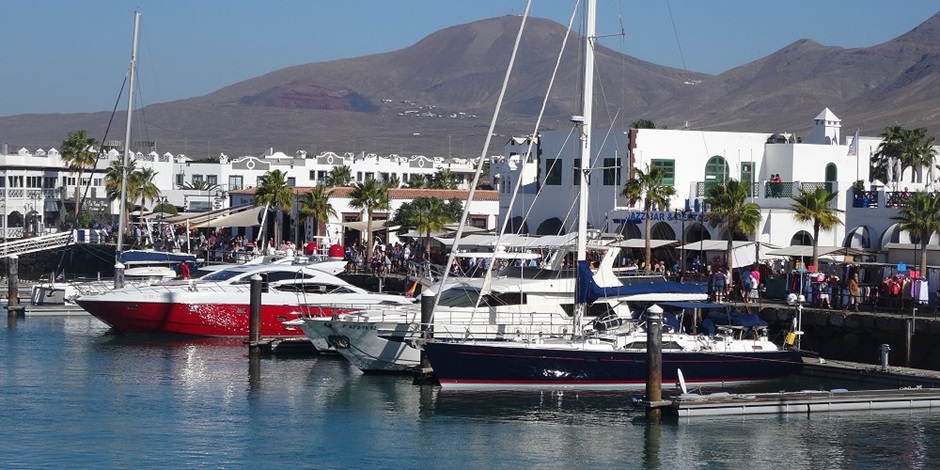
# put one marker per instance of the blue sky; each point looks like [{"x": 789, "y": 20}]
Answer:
[{"x": 65, "y": 56}]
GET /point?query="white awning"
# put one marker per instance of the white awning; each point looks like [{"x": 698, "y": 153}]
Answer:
[
  {"x": 807, "y": 251},
  {"x": 641, "y": 243},
  {"x": 246, "y": 218},
  {"x": 362, "y": 226}
]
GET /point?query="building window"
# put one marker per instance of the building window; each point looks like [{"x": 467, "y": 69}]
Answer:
[
  {"x": 180, "y": 179},
  {"x": 553, "y": 173},
  {"x": 668, "y": 168},
  {"x": 611, "y": 172},
  {"x": 16, "y": 181},
  {"x": 212, "y": 180},
  {"x": 236, "y": 182},
  {"x": 197, "y": 179},
  {"x": 98, "y": 182},
  {"x": 358, "y": 176},
  {"x": 48, "y": 182},
  {"x": 292, "y": 181},
  {"x": 313, "y": 175},
  {"x": 34, "y": 181},
  {"x": 259, "y": 181},
  {"x": 576, "y": 172}
]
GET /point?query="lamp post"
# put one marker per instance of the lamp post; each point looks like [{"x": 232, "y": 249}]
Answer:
[
  {"x": 682, "y": 215},
  {"x": 163, "y": 201}
]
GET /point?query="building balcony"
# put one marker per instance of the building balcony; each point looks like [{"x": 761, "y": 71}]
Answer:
[
  {"x": 771, "y": 194},
  {"x": 878, "y": 198}
]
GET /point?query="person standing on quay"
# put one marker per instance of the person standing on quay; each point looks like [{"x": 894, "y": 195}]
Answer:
[{"x": 853, "y": 292}]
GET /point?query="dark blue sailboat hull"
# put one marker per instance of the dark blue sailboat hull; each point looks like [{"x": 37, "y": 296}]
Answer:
[{"x": 465, "y": 365}]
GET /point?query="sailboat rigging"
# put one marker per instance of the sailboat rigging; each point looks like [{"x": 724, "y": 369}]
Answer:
[{"x": 610, "y": 353}]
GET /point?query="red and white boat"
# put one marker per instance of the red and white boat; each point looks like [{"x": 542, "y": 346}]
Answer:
[{"x": 218, "y": 304}]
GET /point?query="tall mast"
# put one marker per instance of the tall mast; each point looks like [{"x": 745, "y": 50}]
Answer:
[
  {"x": 585, "y": 118},
  {"x": 586, "y": 111},
  {"x": 127, "y": 135}
]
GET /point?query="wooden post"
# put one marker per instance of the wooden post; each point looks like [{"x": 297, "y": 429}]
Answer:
[
  {"x": 254, "y": 326},
  {"x": 654, "y": 360},
  {"x": 118, "y": 275},
  {"x": 14, "y": 309}
]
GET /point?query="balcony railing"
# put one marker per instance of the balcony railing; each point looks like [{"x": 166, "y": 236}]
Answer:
[
  {"x": 865, "y": 199},
  {"x": 770, "y": 189}
]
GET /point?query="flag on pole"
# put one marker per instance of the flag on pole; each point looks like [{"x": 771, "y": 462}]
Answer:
[{"x": 853, "y": 147}]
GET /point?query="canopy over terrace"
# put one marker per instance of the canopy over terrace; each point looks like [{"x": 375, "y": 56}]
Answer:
[
  {"x": 806, "y": 251},
  {"x": 198, "y": 218},
  {"x": 742, "y": 251}
]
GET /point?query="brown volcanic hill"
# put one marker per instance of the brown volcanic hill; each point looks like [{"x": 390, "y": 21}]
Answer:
[
  {"x": 870, "y": 88},
  {"x": 437, "y": 96}
]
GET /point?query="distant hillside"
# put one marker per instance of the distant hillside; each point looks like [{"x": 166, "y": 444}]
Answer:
[{"x": 437, "y": 96}]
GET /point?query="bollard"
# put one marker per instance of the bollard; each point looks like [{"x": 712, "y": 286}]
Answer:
[
  {"x": 118, "y": 275},
  {"x": 14, "y": 309},
  {"x": 654, "y": 360},
  {"x": 885, "y": 349},
  {"x": 254, "y": 325}
]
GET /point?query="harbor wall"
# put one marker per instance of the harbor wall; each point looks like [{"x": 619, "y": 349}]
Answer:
[{"x": 858, "y": 336}]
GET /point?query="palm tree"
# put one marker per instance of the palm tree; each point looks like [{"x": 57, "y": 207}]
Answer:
[
  {"x": 920, "y": 216},
  {"x": 369, "y": 196},
  {"x": 273, "y": 190},
  {"x": 316, "y": 204},
  {"x": 393, "y": 182},
  {"x": 428, "y": 215},
  {"x": 647, "y": 186},
  {"x": 417, "y": 181},
  {"x": 199, "y": 185},
  {"x": 443, "y": 179},
  {"x": 643, "y": 124},
  {"x": 727, "y": 206},
  {"x": 813, "y": 206},
  {"x": 114, "y": 181},
  {"x": 340, "y": 176},
  {"x": 144, "y": 187},
  {"x": 911, "y": 148},
  {"x": 78, "y": 155}
]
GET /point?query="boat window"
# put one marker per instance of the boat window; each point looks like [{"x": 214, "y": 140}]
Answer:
[
  {"x": 313, "y": 288},
  {"x": 275, "y": 276},
  {"x": 459, "y": 297},
  {"x": 496, "y": 299},
  {"x": 221, "y": 275}
]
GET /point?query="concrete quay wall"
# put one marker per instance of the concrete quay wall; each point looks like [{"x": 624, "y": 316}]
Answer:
[{"x": 858, "y": 336}]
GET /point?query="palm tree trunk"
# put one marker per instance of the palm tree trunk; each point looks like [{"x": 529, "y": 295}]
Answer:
[
  {"x": 78, "y": 185},
  {"x": 816, "y": 244},
  {"x": 923, "y": 256},
  {"x": 368, "y": 244},
  {"x": 648, "y": 229}
]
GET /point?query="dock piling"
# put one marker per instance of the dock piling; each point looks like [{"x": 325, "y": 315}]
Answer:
[
  {"x": 254, "y": 319},
  {"x": 654, "y": 361},
  {"x": 885, "y": 349},
  {"x": 14, "y": 309},
  {"x": 424, "y": 374},
  {"x": 118, "y": 275}
]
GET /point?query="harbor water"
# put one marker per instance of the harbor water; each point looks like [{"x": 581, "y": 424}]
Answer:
[{"x": 74, "y": 395}]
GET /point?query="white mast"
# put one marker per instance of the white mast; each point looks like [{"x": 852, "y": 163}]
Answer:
[
  {"x": 585, "y": 120},
  {"x": 127, "y": 136}
]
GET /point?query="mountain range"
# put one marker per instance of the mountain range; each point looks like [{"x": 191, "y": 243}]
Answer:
[{"x": 437, "y": 96}]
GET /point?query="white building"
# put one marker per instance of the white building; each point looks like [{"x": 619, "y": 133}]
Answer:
[
  {"x": 693, "y": 161},
  {"x": 36, "y": 186}
]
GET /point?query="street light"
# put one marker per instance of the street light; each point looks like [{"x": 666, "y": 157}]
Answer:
[{"x": 682, "y": 215}]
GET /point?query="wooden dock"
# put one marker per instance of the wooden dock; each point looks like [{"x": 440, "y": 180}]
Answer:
[{"x": 808, "y": 402}]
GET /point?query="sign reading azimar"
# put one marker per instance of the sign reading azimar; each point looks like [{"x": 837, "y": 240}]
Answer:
[{"x": 660, "y": 216}]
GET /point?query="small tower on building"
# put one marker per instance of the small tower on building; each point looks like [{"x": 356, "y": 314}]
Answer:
[{"x": 827, "y": 129}]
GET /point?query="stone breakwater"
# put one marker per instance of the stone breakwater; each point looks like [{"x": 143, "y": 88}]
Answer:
[{"x": 858, "y": 336}]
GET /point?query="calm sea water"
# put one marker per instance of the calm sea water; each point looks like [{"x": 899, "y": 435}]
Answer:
[{"x": 73, "y": 395}]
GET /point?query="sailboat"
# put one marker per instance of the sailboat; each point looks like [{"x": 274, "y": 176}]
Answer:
[{"x": 610, "y": 352}]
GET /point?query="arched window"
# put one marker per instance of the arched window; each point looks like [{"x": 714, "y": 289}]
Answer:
[
  {"x": 716, "y": 171},
  {"x": 832, "y": 175}
]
